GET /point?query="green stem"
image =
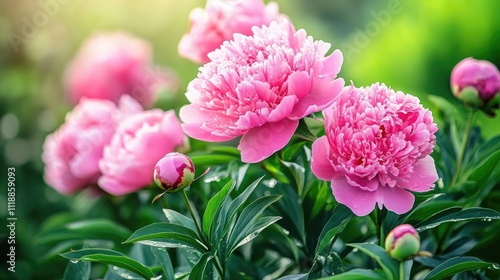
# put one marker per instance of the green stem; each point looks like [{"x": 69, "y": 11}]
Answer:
[
  {"x": 402, "y": 270},
  {"x": 188, "y": 204},
  {"x": 219, "y": 268},
  {"x": 468, "y": 127}
]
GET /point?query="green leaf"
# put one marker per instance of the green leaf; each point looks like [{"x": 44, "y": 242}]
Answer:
[
  {"x": 215, "y": 204},
  {"x": 225, "y": 150},
  {"x": 212, "y": 159},
  {"x": 259, "y": 226},
  {"x": 469, "y": 214},
  {"x": 294, "y": 277},
  {"x": 429, "y": 207},
  {"x": 295, "y": 172},
  {"x": 163, "y": 259},
  {"x": 388, "y": 265},
  {"x": 88, "y": 229},
  {"x": 340, "y": 217},
  {"x": 177, "y": 218},
  {"x": 484, "y": 170},
  {"x": 110, "y": 257},
  {"x": 247, "y": 219},
  {"x": 303, "y": 132},
  {"x": 224, "y": 218},
  {"x": 457, "y": 265},
  {"x": 167, "y": 235},
  {"x": 357, "y": 274},
  {"x": 79, "y": 270},
  {"x": 202, "y": 269},
  {"x": 292, "y": 206}
]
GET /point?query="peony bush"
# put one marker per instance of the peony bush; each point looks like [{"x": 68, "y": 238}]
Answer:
[{"x": 284, "y": 172}]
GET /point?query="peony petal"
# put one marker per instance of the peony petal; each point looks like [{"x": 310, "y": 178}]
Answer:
[
  {"x": 197, "y": 132},
  {"x": 363, "y": 182},
  {"x": 396, "y": 199},
  {"x": 283, "y": 109},
  {"x": 423, "y": 177},
  {"x": 261, "y": 142},
  {"x": 333, "y": 63},
  {"x": 320, "y": 162},
  {"x": 322, "y": 95},
  {"x": 299, "y": 84},
  {"x": 192, "y": 114},
  {"x": 359, "y": 201}
]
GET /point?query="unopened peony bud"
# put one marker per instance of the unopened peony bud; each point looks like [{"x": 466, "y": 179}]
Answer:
[
  {"x": 403, "y": 242},
  {"x": 477, "y": 84},
  {"x": 174, "y": 172}
]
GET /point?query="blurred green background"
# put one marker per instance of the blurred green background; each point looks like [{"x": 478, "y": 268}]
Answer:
[{"x": 409, "y": 45}]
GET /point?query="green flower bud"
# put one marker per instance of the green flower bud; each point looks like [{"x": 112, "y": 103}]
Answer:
[{"x": 403, "y": 242}]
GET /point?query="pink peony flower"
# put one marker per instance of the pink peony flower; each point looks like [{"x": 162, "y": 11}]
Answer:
[
  {"x": 376, "y": 149},
  {"x": 71, "y": 154},
  {"x": 219, "y": 21},
  {"x": 259, "y": 87},
  {"x": 110, "y": 65},
  {"x": 139, "y": 142}
]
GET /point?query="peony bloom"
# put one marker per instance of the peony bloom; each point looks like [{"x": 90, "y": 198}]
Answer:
[
  {"x": 109, "y": 65},
  {"x": 403, "y": 242},
  {"x": 174, "y": 172},
  {"x": 259, "y": 87},
  {"x": 376, "y": 149},
  {"x": 219, "y": 21},
  {"x": 476, "y": 83},
  {"x": 71, "y": 154},
  {"x": 139, "y": 142}
]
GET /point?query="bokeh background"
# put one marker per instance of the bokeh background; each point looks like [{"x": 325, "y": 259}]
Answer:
[{"x": 410, "y": 45}]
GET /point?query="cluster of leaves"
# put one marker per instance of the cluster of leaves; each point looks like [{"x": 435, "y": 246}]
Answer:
[{"x": 275, "y": 219}]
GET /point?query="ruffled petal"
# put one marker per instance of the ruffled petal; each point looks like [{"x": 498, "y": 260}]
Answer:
[{"x": 423, "y": 177}]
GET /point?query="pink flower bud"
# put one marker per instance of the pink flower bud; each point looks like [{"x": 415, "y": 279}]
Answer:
[
  {"x": 476, "y": 83},
  {"x": 403, "y": 242},
  {"x": 174, "y": 172}
]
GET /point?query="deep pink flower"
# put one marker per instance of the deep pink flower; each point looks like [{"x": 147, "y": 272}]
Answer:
[
  {"x": 71, "y": 154},
  {"x": 219, "y": 21},
  {"x": 139, "y": 142},
  {"x": 109, "y": 65},
  {"x": 376, "y": 149},
  {"x": 174, "y": 172},
  {"x": 481, "y": 75},
  {"x": 477, "y": 84},
  {"x": 260, "y": 86}
]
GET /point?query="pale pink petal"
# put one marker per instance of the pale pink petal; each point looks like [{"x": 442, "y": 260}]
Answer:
[
  {"x": 359, "y": 201},
  {"x": 423, "y": 177},
  {"x": 321, "y": 164},
  {"x": 261, "y": 142},
  {"x": 333, "y": 63},
  {"x": 396, "y": 199}
]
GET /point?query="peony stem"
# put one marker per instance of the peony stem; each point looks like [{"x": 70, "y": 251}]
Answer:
[
  {"x": 402, "y": 270},
  {"x": 188, "y": 204},
  {"x": 468, "y": 127}
]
